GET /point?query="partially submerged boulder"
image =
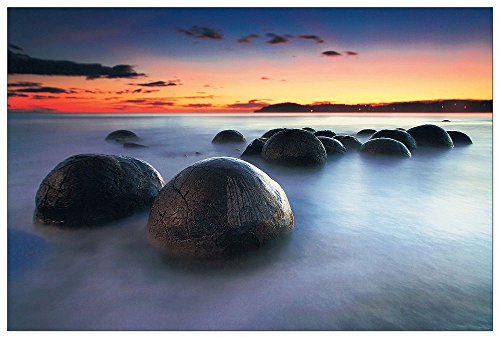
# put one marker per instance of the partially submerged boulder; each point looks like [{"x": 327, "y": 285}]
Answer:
[
  {"x": 332, "y": 146},
  {"x": 93, "y": 189},
  {"x": 216, "y": 207},
  {"x": 229, "y": 136},
  {"x": 271, "y": 132},
  {"x": 294, "y": 147},
  {"x": 255, "y": 147},
  {"x": 122, "y": 136},
  {"x": 430, "y": 135},
  {"x": 385, "y": 146},
  {"x": 398, "y": 135},
  {"x": 366, "y": 132},
  {"x": 326, "y": 133},
  {"x": 459, "y": 138},
  {"x": 349, "y": 141}
]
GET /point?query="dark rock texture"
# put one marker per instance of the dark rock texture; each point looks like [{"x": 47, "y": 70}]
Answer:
[
  {"x": 459, "y": 138},
  {"x": 122, "y": 136},
  {"x": 228, "y": 136},
  {"x": 271, "y": 132},
  {"x": 398, "y": 135},
  {"x": 430, "y": 135},
  {"x": 216, "y": 207},
  {"x": 349, "y": 141},
  {"x": 255, "y": 147},
  {"x": 332, "y": 146},
  {"x": 385, "y": 146},
  {"x": 294, "y": 147},
  {"x": 92, "y": 189},
  {"x": 327, "y": 133},
  {"x": 366, "y": 132},
  {"x": 309, "y": 129}
]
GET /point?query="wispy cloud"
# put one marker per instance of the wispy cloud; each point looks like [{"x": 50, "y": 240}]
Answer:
[
  {"x": 331, "y": 53},
  {"x": 248, "y": 38},
  {"x": 315, "y": 38},
  {"x": 202, "y": 33},
  {"x": 256, "y": 103},
  {"x": 275, "y": 39},
  {"x": 159, "y": 83}
]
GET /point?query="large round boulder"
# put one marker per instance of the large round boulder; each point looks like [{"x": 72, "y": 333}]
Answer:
[
  {"x": 332, "y": 146},
  {"x": 271, "y": 132},
  {"x": 430, "y": 135},
  {"x": 92, "y": 189},
  {"x": 122, "y": 136},
  {"x": 229, "y": 136},
  {"x": 398, "y": 135},
  {"x": 294, "y": 147},
  {"x": 327, "y": 133},
  {"x": 459, "y": 138},
  {"x": 216, "y": 207},
  {"x": 255, "y": 147},
  {"x": 385, "y": 146},
  {"x": 349, "y": 141}
]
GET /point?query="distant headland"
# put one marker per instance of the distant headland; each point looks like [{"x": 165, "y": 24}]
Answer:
[{"x": 437, "y": 106}]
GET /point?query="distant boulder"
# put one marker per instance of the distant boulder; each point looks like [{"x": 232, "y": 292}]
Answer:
[
  {"x": 255, "y": 147},
  {"x": 385, "y": 146},
  {"x": 366, "y": 132},
  {"x": 294, "y": 147},
  {"x": 218, "y": 207},
  {"x": 459, "y": 138},
  {"x": 93, "y": 189},
  {"x": 332, "y": 146},
  {"x": 446, "y": 121},
  {"x": 398, "y": 135},
  {"x": 327, "y": 133},
  {"x": 122, "y": 136},
  {"x": 271, "y": 132},
  {"x": 430, "y": 135},
  {"x": 349, "y": 141},
  {"x": 228, "y": 136}
]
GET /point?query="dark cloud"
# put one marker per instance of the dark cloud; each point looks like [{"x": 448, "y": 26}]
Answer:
[
  {"x": 247, "y": 39},
  {"x": 24, "y": 84},
  {"x": 15, "y": 47},
  {"x": 159, "y": 83},
  {"x": 53, "y": 90},
  {"x": 331, "y": 53},
  {"x": 43, "y": 97},
  {"x": 198, "y": 105},
  {"x": 277, "y": 39},
  {"x": 24, "y": 64},
  {"x": 15, "y": 94},
  {"x": 149, "y": 102},
  {"x": 202, "y": 33},
  {"x": 195, "y": 97},
  {"x": 312, "y": 37},
  {"x": 350, "y": 53},
  {"x": 250, "y": 104},
  {"x": 265, "y": 78}
]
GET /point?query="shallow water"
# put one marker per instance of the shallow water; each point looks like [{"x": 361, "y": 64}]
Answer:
[{"x": 379, "y": 244}]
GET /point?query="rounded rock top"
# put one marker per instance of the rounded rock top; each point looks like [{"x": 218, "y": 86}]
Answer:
[
  {"x": 271, "y": 132},
  {"x": 294, "y": 147},
  {"x": 228, "y": 136},
  {"x": 93, "y": 189},
  {"x": 122, "y": 136},
  {"x": 332, "y": 146},
  {"x": 398, "y": 135},
  {"x": 459, "y": 138},
  {"x": 385, "y": 146},
  {"x": 217, "y": 207},
  {"x": 430, "y": 135}
]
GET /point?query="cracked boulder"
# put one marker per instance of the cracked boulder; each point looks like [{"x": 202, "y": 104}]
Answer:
[
  {"x": 93, "y": 189},
  {"x": 294, "y": 147},
  {"x": 228, "y": 136},
  {"x": 430, "y": 135},
  {"x": 218, "y": 207}
]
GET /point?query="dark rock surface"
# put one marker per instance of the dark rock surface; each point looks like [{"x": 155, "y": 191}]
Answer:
[
  {"x": 446, "y": 120},
  {"x": 430, "y": 135},
  {"x": 228, "y": 136},
  {"x": 271, "y": 132},
  {"x": 93, "y": 189},
  {"x": 327, "y": 133},
  {"x": 332, "y": 146},
  {"x": 349, "y": 141},
  {"x": 398, "y": 135},
  {"x": 366, "y": 132},
  {"x": 122, "y": 136},
  {"x": 385, "y": 146},
  {"x": 216, "y": 207},
  {"x": 309, "y": 129},
  {"x": 255, "y": 147},
  {"x": 459, "y": 138},
  {"x": 294, "y": 147}
]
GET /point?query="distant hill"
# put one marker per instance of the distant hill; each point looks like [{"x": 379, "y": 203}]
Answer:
[{"x": 438, "y": 106}]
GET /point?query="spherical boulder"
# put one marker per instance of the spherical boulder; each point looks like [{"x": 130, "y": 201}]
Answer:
[
  {"x": 332, "y": 146},
  {"x": 228, "y": 136},
  {"x": 327, "y": 133},
  {"x": 271, "y": 132},
  {"x": 92, "y": 189},
  {"x": 216, "y": 207},
  {"x": 366, "y": 132},
  {"x": 385, "y": 146},
  {"x": 294, "y": 147},
  {"x": 430, "y": 135},
  {"x": 255, "y": 147},
  {"x": 398, "y": 135},
  {"x": 459, "y": 138},
  {"x": 122, "y": 136},
  {"x": 349, "y": 141}
]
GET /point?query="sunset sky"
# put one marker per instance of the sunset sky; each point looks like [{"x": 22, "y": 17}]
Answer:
[{"x": 175, "y": 60}]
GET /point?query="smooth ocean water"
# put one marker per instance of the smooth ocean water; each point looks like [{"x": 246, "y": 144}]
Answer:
[{"x": 379, "y": 244}]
